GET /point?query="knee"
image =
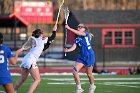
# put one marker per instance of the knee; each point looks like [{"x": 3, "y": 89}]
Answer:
[
  {"x": 23, "y": 79},
  {"x": 74, "y": 70},
  {"x": 89, "y": 75},
  {"x": 38, "y": 80}
]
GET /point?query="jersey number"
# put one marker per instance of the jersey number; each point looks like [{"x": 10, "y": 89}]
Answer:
[
  {"x": 88, "y": 43},
  {"x": 1, "y": 59}
]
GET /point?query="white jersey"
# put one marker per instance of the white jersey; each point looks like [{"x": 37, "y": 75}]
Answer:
[{"x": 34, "y": 53}]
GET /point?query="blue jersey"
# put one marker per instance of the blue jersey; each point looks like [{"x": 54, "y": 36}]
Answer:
[
  {"x": 5, "y": 54},
  {"x": 84, "y": 45},
  {"x": 86, "y": 56}
]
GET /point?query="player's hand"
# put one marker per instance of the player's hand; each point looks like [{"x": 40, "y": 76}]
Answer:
[
  {"x": 66, "y": 50},
  {"x": 67, "y": 27},
  {"x": 55, "y": 28},
  {"x": 19, "y": 51}
]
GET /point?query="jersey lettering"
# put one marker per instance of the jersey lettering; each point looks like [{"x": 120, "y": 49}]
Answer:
[
  {"x": 1, "y": 59},
  {"x": 88, "y": 43}
]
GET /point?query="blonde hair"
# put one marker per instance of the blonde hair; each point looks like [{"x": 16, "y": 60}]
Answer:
[{"x": 91, "y": 35}]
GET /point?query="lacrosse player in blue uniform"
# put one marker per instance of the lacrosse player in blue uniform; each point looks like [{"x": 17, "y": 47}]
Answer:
[
  {"x": 5, "y": 76},
  {"x": 86, "y": 57}
]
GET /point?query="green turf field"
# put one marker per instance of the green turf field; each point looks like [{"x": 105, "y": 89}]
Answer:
[{"x": 65, "y": 84}]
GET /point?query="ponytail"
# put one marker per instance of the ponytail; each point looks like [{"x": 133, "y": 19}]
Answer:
[
  {"x": 36, "y": 33},
  {"x": 91, "y": 35},
  {"x": 1, "y": 38}
]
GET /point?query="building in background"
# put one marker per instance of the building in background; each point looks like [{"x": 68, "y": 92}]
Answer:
[
  {"x": 114, "y": 23},
  {"x": 116, "y": 35}
]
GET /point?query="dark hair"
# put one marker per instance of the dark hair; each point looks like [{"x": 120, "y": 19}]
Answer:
[
  {"x": 1, "y": 38},
  {"x": 36, "y": 33}
]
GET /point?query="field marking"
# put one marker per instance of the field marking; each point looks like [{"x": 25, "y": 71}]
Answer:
[
  {"x": 2, "y": 91},
  {"x": 119, "y": 83},
  {"x": 117, "y": 78},
  {"x": 129, "y": 86},
  {"x": 71, "y": 81},
  {"x": 66, "y": 79},
  {"x": 55, "y": 74},
  {"x": 63, "y": 83},
  {"x": 125, "y": 84}
]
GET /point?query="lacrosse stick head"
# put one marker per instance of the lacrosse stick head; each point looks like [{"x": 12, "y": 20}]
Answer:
[
  {"x": 31, "y": 42},
  {"x": 61, "y": 2},
  {"x": 66, "y": 14}
]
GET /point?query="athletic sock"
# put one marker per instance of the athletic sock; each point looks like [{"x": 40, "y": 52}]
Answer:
[{"x": 79, "y": 86}]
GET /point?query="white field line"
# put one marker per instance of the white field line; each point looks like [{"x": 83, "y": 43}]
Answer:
[
  {"x": 117, "y": 78},
  {"x": 129, "y": 86},
  {"x": 68, "y": 79},
  {"x": 63, "y": 83},
  {"x": 43, "y": 74},
  {"x": 2, "y": 91},
  {"x": 125, "y": 84},
  {"x": 119, "y": 83}
]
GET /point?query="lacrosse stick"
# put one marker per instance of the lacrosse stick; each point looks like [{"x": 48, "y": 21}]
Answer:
[
  {"x": 66, "y": 15},
  {"x": 29, "y": 43},
  {"x": 61, "y": 4}
]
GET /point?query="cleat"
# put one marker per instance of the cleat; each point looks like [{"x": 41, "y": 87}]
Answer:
[
  {"x": 79, "y": 90},
  {"x": 15, "y": 92},
  {"x": 92, "y": 89}
]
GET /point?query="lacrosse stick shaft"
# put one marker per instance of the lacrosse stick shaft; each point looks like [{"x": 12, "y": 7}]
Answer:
[
  {"x": 66, "y": 22},
  {"x": 65, "y": 40},
  {"x": 66, "y": 15},
  {"x": 58, "y": 14}
]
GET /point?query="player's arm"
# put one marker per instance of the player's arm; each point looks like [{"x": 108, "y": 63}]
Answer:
[
  {"x": 51, "y": 38},
  {"x": 75, "y": 31},
  {"x": 70, "y": 49},
  {"x": 13, "y": 60}
]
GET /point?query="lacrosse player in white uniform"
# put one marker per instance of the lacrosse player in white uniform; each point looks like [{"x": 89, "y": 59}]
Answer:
[{"x": 36, "y": 44}]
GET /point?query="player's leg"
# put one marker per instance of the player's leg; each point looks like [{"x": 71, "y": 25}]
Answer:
[
  {"x": 20, "y": 81},
  {"x": 89, "y": 68},
  {"x": 76, "y": 69},
  {"x": 91, "y": 79},
  {"x": 6, "y": 82},
  {"x": 9, "y": 88},
  {"x": 34, "y": 71},
  {"x": 89, "y": 74}
]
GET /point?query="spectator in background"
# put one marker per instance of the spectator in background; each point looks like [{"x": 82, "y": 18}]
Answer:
[
  {"x": 133, "y": 70},
  {"x": 138, "y": 70},
  {"x": 5, "y": 76},
  {"x": 28, "y": 65},
  {"x": 86, "y": 57}
]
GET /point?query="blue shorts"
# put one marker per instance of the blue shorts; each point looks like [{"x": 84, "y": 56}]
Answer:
[
  {"x": 88, "y": 60},
  {"x": 5, "y": 80}
]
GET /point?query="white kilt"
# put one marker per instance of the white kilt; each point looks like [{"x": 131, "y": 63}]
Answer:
[{"x": 28, "y": 61}]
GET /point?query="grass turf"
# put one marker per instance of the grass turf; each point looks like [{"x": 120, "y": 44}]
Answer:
[{"x": 65, "y": 84}]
